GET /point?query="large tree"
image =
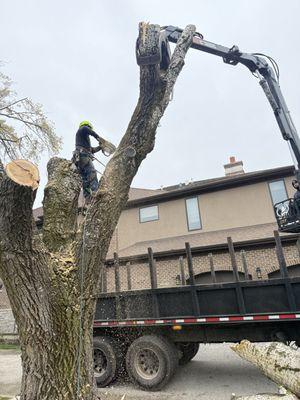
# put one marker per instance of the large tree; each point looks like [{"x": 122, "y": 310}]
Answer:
[{"x": 53, "y": 281}]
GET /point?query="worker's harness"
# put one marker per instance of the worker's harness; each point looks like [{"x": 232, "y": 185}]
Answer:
[{"x": 80, "y": 151}]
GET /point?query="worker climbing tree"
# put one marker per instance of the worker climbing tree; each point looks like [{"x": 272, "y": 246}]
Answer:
[
  {"x": 83, "y": 157},
  {"x": 53, "y": 281}
]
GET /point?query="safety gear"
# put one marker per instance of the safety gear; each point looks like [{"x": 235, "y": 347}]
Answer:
[
  {"x": 295, "y": 184},
  {"x": 85, "y": 123},
  {"x": 86, "y": 169}
]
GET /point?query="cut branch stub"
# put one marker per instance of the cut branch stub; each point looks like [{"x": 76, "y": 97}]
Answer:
[
  {"x": 24, "y": 173},
  {"x": 60, "y": 204}
]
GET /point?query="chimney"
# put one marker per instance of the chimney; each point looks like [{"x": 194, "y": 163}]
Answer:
[{"x": 234, "y": 167}]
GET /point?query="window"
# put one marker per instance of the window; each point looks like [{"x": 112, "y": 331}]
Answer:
[
  {"x": 193, "y": 214},
  {"x": 278, "y": 191},
  {"x": 149, "y": 214}
]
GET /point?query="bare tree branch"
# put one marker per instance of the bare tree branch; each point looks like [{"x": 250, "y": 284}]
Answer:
[{"x": 13, "y": 103}]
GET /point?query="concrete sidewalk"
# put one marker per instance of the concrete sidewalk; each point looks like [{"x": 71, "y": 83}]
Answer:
[
  {"x": 10, "y": 372},
  {"x": 214, "y": 374}
]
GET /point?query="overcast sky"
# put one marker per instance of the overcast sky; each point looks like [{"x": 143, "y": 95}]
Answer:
[{"x": 77, "y": 58}]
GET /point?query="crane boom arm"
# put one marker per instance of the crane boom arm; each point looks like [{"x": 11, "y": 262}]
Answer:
[{"x": 262, "y": 69}]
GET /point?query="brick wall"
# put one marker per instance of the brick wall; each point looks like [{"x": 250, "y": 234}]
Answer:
[{"x": 168, "y": 267}]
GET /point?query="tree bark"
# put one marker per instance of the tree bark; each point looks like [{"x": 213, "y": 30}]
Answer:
[
  {"x": 277, "y": 361},
  {"x": 53, "y": 282},
  {"x": 266, "y": 396}
]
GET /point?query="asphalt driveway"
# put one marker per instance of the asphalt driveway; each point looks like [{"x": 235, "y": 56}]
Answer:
[{"x": 215, "y": 373}]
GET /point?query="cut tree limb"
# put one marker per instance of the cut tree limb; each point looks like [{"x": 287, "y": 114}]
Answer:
[
  {"x": 24, "y": 173},
  {"x": 60, "y": 205},
  {"x": 277, "y": 361},
  {"x": 266, "y": 397}
]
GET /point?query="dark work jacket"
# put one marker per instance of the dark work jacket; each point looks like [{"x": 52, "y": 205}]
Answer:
[{"x": 83, "y": 139}]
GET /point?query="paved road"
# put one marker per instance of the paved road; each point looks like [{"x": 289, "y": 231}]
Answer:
[
  {"x": 214, "y": 374},
  {"x": 10, "y": 372}
]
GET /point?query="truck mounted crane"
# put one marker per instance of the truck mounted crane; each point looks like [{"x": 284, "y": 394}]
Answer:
[{"x": 264, "y": 68}]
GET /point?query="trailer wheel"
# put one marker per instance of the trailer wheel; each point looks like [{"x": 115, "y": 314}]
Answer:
[
  {"x": 187, "y": 352},
  {"x": 106, "y": 360},
  {"x": 151, "y": 361}
]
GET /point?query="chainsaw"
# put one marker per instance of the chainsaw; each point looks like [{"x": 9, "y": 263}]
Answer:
[{"x": 107, "y": 147}]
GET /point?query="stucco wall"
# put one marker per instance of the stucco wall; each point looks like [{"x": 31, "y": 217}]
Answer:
[{"x": 225, "y": 209}]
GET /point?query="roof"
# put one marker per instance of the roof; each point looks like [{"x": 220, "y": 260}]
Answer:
[
  {"x": 137, "y": 193},
  {"x": 211, "y": 185},
  {"x": 202, "y": 239},
  {"x": 140, "y": 197}
]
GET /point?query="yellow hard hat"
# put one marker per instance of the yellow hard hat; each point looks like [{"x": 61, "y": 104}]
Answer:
[{"x": 85, "y": 123}]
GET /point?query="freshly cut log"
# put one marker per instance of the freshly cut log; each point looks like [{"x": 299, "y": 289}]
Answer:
[
  {"x": 24, "y": 173},
  {"x": 277, "y": 361},
  {"x": 266, "y": 396}
]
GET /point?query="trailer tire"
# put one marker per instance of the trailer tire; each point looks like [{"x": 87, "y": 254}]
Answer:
[
  {"x": 107, "y": 360},
  {"x": 151, "y": 361},
  {"x": 187, "y": 352}
]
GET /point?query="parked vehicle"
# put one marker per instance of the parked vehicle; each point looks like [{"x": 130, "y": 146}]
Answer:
[{"x": 150, "y": 332}]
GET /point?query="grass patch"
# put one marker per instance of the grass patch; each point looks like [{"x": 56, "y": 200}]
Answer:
[
  {"x": 5, "y": 398},
  {"x": 7, "y": 346}
]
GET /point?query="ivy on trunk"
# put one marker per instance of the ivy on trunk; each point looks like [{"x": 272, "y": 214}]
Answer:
[{"x": 53, "y": 281}]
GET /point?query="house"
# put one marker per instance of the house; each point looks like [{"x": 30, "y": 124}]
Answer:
[{"x": 204, "y": 213}]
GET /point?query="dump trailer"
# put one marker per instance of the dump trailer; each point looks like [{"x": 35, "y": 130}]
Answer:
[{"x": 148, "y": 333}]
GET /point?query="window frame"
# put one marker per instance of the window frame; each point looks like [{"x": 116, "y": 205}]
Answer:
[
  {"x": 152, "y": 220},
  {"x": 270, "y": 191},
  {"x": 187, "y": 215}
]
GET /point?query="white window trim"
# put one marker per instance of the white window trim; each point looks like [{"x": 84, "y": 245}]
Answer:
[
  {"x": 187, "y": 216},
  {"x": 151, "y": 220}
]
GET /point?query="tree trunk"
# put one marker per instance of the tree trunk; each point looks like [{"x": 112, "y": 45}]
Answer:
[
  {"x": 52, "y": 279},
  {"x": 277, "y": 361}
]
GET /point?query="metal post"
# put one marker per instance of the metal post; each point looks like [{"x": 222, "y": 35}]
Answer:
[
  {"x": 104, "y": 279},
  {"x": 117, "y": 273},
  {"x": 284, "y": 272},
  {"x": 233, "y": 259},
  {"x": 239, "y": 292},
  {"x": 152, "y": 266},
  {"x": 190, "y": 263},
  {"x": 280, "y": 256},
  {"x": 245, "y": 266},
  {"x": 192, "y": 279},
  {"x": 153, "y": 279},
  {"x": 117, "y": 286},
  {"x": 128, "y": 270},
  {"x": 181, "y": 268},
  {"x": 212, "y": 268}
]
